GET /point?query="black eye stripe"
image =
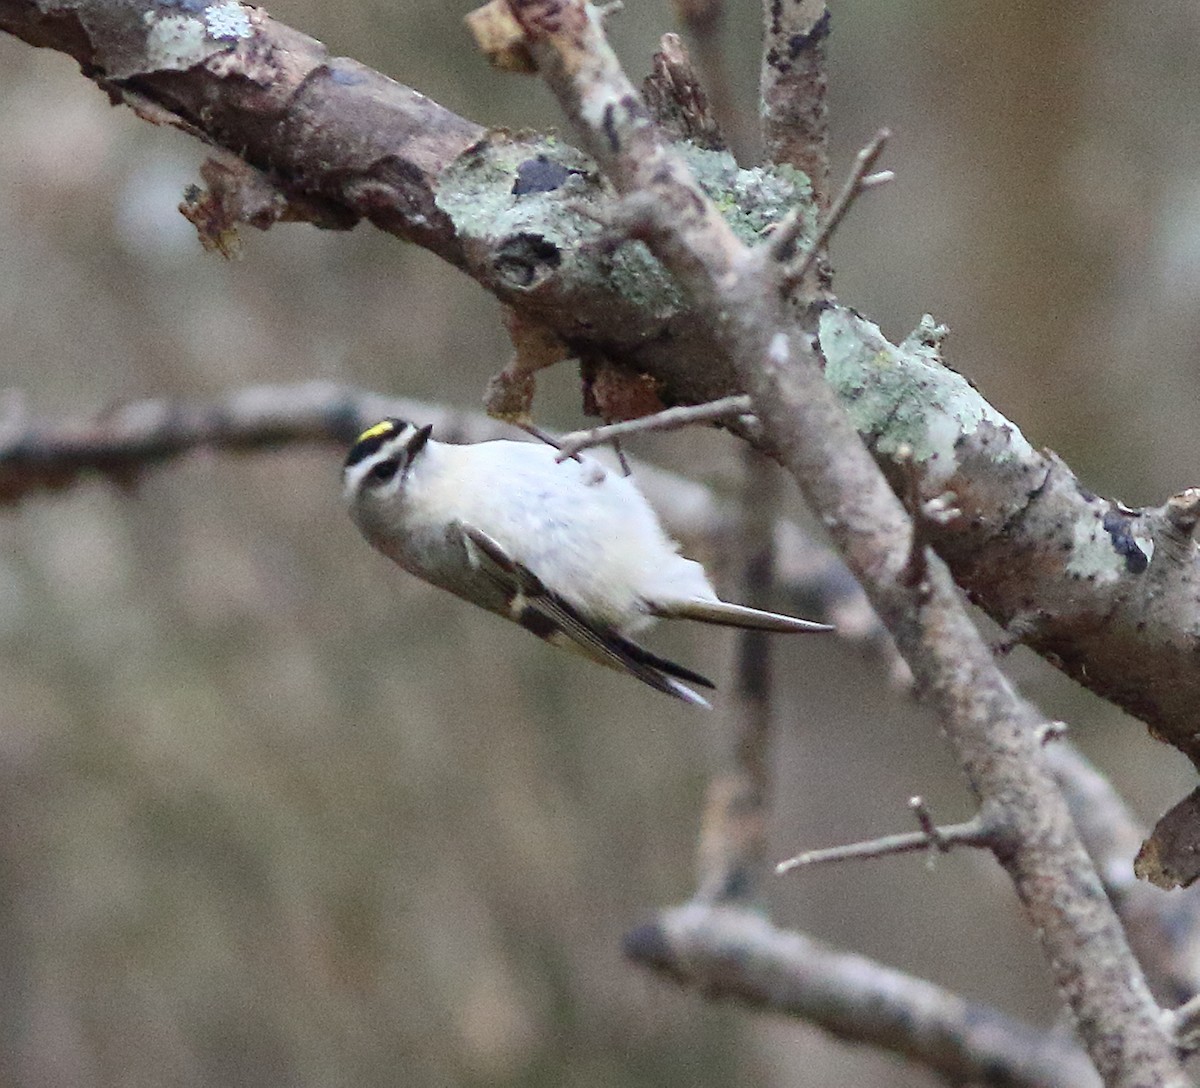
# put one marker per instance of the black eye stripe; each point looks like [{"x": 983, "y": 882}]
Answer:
[
  {"x": 384, "y": 471},
  {"x": 371, "y": 440}
]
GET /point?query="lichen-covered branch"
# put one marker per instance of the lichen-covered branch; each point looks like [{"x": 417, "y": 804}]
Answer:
[
  {"x": 994, "y": 733},
  {"x": 1104, "y": 592},
  {"x": 339, "y": 140},
  {"x": 735, "y": 954}
]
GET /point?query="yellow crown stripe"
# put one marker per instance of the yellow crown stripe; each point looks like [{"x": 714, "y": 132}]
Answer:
[{"x": 386, "y": 427}]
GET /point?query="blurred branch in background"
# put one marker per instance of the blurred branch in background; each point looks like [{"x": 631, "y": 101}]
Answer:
[
  {"x": 703, "y": 21},
  {"x": 733, "y": 953},
  {"x": 123, "y": 443},
  {"x": 733, "y": 837}
]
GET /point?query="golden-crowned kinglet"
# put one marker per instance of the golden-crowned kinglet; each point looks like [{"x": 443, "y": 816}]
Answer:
[{"x": 569, "y": 550}]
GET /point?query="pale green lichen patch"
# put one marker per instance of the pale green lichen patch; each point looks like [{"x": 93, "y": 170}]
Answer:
[
  {"x": 750, "y": 200},
  {"x": 907, "y": 396},
  {"x": 176, "y": 41},
  {"x": 1093, "y": 557},
  {"x": 477, "y": 192},
  {"x": 481, "y": 194}
]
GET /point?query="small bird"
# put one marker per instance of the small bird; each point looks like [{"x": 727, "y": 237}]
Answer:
[{"x": 570, "y": 551}]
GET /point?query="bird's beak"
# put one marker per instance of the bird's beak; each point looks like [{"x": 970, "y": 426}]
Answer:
[{"x": 417, "y": 443}]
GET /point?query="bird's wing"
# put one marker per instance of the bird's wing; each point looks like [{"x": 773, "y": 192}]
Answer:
[
  {"x": 733, "y": 615},
  {"x": 548, "y": 616}
]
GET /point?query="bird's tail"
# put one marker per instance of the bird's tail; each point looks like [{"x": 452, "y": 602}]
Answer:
[{"x": 734, "y": 615}]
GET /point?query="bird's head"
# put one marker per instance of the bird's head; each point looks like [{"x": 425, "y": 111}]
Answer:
[{"x": 380, "y": 459}]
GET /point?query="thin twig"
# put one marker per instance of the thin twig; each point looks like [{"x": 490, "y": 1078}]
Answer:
[
  {"x": 670, "y": 419},
  {"x": 926, "y": 515},
  {"x": 783, "y": 241},
  {"x": 972, "y": 833},
  {"x": 542, "y": 435},
  {"x": 925, "y": 821}
]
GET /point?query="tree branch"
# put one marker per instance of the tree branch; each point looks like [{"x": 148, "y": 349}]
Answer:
[
  {"x": 1163, "y": 930},
  {"x": 972, "y": 833},
  {"x": 792, "y": 84},
  {"x": 736, "y": 954},
  {"x": 733, "y": 836},
  {"x": 1074, "y": 576},
  {"x": 671, "y": 419},
  {"x": 992, "y": 730}
]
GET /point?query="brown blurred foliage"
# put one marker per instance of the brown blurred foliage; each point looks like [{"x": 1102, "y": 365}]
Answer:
[{"x": 273, "y": 814}]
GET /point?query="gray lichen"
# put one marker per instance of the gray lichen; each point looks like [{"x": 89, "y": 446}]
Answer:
[{"x": 477, "y": 192}]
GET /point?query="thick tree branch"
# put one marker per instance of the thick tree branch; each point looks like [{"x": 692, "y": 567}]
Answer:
[
  {"x": 736, "y": 954},
  {"x": 1072, "y": 575},
  {"x": 993, "y": 731}
]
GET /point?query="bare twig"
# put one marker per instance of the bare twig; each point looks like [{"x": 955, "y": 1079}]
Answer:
[
  {"x": 1180, "y": 515},
  {"x": 784, "y": 239},
  {"x": 972, "y": 833},
  {"x": 1185, "y": 1021},
  {"x": 670, "y": 419},
  {"x": 736, "y": 954},
  {"x": 920, "y": 809},
  {"x": 991, "y": 729},
  {"x": 925, "y": 515},
  {"x": 542, "y": 435}
]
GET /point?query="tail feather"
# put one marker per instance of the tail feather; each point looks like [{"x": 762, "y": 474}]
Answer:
[{"x": 734, "y": 615}]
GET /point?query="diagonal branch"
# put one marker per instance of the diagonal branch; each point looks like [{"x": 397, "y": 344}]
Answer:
[{"x": 993, "y": 731}]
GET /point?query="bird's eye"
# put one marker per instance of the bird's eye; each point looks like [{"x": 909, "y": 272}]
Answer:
[{"x": 384, "y": 471}]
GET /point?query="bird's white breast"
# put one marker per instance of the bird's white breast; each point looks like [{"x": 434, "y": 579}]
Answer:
[{"x": 587, "y": 533}]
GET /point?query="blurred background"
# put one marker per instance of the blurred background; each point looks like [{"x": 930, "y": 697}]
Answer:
[{"x": 273, "y": 814}]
